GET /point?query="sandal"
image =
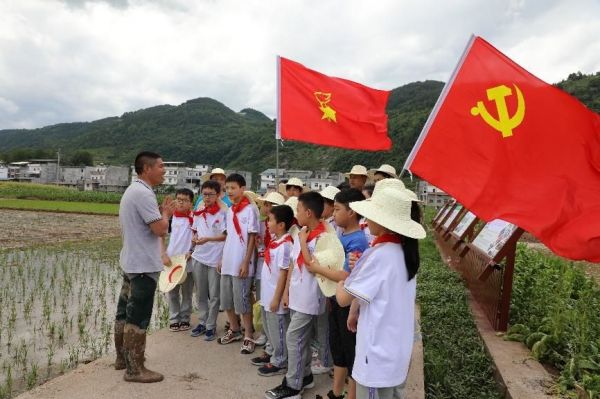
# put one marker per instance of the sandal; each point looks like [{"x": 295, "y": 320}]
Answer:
[
  {"x": 174, "y": 327},
  {"x": 184, "y": 326}
]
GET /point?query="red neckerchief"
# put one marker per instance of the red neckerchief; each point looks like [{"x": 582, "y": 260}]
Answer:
[
  {"x": 311, "y": 236},
  {"x": 267, "y": 237},
  {"x": 387, "y": 237},
  {"x": 184, "y": 215},
  {"x": 274, "y": 244},
  {"x": 213, "y": 210},
  {"x": 237, "y": 208}
]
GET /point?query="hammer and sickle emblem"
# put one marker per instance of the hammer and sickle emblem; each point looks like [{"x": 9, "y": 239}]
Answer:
[{"x": 505, "y": 123}]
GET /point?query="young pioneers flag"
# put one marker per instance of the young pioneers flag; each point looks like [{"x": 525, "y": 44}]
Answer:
[
  {"x": 509, "y": 146},
  {"x": 320, "y": 109}
]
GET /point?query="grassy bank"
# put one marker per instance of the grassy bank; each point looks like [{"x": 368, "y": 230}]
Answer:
[
  {"x": 456, "y": 365},
  {"x": 60, "y": 206},
  {"x": 54, "y": 193}
]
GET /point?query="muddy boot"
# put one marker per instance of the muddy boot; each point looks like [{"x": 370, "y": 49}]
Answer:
[
  {"x": 134, "y": 344},
  {"x": 120, "y": 362}
]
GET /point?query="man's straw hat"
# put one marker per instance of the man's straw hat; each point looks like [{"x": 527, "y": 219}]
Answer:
[
  {"x": 215, "y": 171},
  {"x": 385, "y": 168},
  {"x": 390, "y": 207},
  {"x": 329, "y": 192},
  {"x": 329, "y": 251},
  {"x": 272, "y": 197},
  {"x": 174, "y": 274},
  {"x": 294, "y": 181},
  {"x": 358, "y": 170}
]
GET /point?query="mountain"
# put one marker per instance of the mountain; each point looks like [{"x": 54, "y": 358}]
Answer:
[{"x": 204, "y": 130}]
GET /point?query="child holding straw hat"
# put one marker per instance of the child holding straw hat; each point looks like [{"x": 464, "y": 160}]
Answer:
[{"x": 383, "y": 283}]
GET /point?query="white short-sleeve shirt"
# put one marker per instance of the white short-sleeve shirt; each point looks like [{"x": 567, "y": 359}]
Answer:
[
  {"x": 207, "y": 225},
  {"x": 235, "y": 249},
  {"x": 280, "y": 260},
  {"x": 385, "y": 331},
  {"x": 180, "y": 239},
  {"x": 305, "y": 294}
]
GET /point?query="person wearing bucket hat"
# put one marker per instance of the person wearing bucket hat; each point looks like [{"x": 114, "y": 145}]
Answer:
[
  {"x": 294, "y": 187},
  {"x": 383, "y": 284},
  {"x": 142, "y": 224},
  {"x": 180, "y": 242},
  {"x": 237, "y": 265},
  {"x": 342, "y": 341},
  {"x": 357, "y": 177},
  {"x": 328, "y": 194},
  {"x": 385, "y": 171},
  {"x": 218, "y": 175}
]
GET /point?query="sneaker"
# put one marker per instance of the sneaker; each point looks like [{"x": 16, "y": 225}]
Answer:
[
  {"x": 283, "y": 392},
  {"x": 198, "y": 330},
  {"x": 210, "y": 335},
  {"x": 230, "y": 336},
  {"x": 262, "y": 340},
  {"x": 248, "y": 346},
  {"x": 317, "y": 368},
  {"x": 268, "y": 370},
  {"x": 308, "y": 382},
  {"x": 261, "y": 360}
]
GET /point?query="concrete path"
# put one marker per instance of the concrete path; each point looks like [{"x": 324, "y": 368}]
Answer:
[{"x": 193, "y": 368}]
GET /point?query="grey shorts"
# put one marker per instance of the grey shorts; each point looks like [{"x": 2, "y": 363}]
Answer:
[
  {"x": 235, "y": 294},
  {"x": 396, "y": 392}
]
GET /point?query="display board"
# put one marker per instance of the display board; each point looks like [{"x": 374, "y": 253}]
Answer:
[{"x": 494, "y": 236}]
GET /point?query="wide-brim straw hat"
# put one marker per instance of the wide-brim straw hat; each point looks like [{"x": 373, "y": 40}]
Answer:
[
  {"x": 252, "y": 196},
  {"x": 329, "y": 251},
  {"x": 292, "y": 202},
  {"x": 385, "y": 168},
  {"x": 390, "y": 207},
  {"x": 272, "y": 197},
  {"x": 397, "y": 184},
  {"x": 329, "y": 192},
  {"x": 358, "y": 170},
  {"x": 215, "y": 171},
  {"x": 174, "y": 274}
]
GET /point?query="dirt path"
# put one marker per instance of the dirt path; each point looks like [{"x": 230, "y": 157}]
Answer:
[{"x": 24, "y": 228}]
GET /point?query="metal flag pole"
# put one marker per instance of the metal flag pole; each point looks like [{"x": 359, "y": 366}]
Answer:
[{"x": 278, "y": 121}]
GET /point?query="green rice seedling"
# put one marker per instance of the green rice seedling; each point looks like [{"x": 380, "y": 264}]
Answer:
[{"x": 32, "y": 376}]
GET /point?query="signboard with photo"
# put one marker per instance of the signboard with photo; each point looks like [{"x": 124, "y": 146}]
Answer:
[
  {"x": 493, "y": 236},
  {"x": 464, "y": 224}
]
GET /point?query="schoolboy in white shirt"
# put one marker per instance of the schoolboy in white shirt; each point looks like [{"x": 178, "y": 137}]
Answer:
[
  {"x": 209, "y": 238},
  {"x": 237, "y": 265},
  {"x": 384, "y": 284}
]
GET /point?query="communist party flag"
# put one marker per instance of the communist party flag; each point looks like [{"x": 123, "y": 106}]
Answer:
[
  {"x": 320, "y": 109},
  {"x": 509, "y": 146}
]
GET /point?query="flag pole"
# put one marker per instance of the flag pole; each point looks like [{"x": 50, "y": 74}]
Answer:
[
  {"x": 436, "y": 108},
  {"x": 278, "y": 121}
]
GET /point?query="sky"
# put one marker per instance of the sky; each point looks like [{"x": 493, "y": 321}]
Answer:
[{"x": 82, "y": 60}]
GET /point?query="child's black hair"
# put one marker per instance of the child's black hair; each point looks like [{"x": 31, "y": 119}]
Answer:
[
  {"x": 328, "y": 201},
  {"x": 369, "y": 188},
  {"x": 343, "y": 185},
  {"x": 185, "y": 191},
  {"x": 236, "y": 178},
  {"x": 211, "y": 184},
  {"x": 283, "y": 213},
  {"x": 314, "y": 201},
  {"x": 410, "y": 246},
  {"x": 345, "y": 197}
]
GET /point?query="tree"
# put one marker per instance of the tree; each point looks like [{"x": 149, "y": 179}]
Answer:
[{"x": 82, "y": 158}]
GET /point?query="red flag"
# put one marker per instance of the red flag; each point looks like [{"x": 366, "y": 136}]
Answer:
[
  {"x": 320, "y": 109},
  {"x": 507, "y": 145}
]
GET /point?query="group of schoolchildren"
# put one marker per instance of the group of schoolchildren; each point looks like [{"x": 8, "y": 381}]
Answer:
[{"x": 244, "y": 249}]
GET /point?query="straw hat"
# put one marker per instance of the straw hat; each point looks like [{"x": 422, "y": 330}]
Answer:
[
  {"x": 215, "y": 171},
  {"x": 294, "y": 181},
  {"x": 329, "y": 251},
  {"x": 174, "y": 274},
  {"x": 272, "y": 197},
  {"x": 385, "y": 168},
  {"x": 252, "y": 196},
  {"x": 358, "y": 170},
  {"x": 390, "y": 207},
  {"x": 329, "y": 192},
  {"x": 412, "y": 195},
  {"x": 396, "y": 183},
  {"x": 292, "y": 202}
]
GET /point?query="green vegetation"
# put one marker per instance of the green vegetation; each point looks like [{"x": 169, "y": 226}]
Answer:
[
  {"x": 60, "y": 206},
  {"x": 456, "y": 365},
  {"x": 585, "y": 87},
  {"x": 556, "y": 312},
  {"x": 55, "y": 193}
]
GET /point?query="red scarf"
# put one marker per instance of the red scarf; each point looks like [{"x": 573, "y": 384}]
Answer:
[
  {"x": 267, "y": 237},
  {"x": 184, "y": 215},
  {"x": 213, "y": 210},
  {"x": 311, "y": 236},
  {"x": 387, "y": 237},
  {"x": 237, "y": 208},
  {"x": 273, "y": 245}
]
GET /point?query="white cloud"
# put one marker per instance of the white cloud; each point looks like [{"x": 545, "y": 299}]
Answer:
[{"x": 82, "y": 60}]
